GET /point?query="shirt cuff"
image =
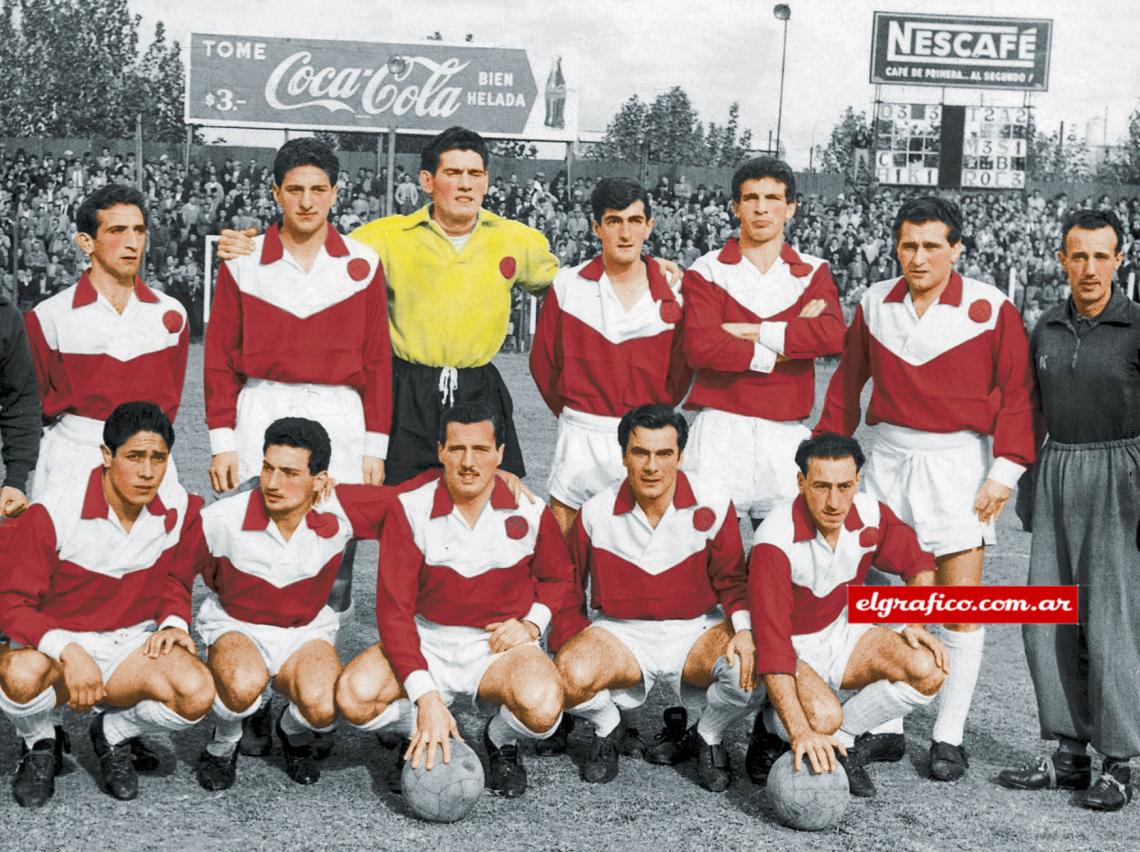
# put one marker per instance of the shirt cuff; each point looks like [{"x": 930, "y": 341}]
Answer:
[
  {"x": 174, "y": 621},
  {"x": 418, "y": 684},
  {"x": 53, "y": 642},
  {"x": 763, "y": 359},
  {"x": 741, "y": 620},
  {"x": 376, "y": 445},
  {"x": 772, "y": 335},
  {"x": 1006, "y": 472},
  {"x": 539, "y": 615},
  {"x": 222, "y": 441}
]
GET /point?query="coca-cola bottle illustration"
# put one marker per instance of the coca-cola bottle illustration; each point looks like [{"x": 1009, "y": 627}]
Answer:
[{"x": 556, "y": 96}]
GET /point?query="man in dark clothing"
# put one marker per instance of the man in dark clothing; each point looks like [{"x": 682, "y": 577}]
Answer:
[
  {"x": 19, "y": 410},
  {"x": 1085, "y": 521}
]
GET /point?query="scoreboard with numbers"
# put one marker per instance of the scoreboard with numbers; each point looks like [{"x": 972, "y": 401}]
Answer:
[
  {"x": 994, "y": 147},
  {"x": 907, "y": 143}
]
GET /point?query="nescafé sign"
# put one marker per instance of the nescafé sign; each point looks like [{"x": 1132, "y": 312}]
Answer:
[{"x": 961, "y": 52}]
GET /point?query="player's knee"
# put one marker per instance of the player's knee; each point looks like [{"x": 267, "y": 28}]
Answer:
[
  {"x": 241, "y": 688},
  {"x": 540, "y": 703},
  {"x": 193, "y": 691},
  {"x": 923, "y": 673},
  {"x": 27, "y": 675},
  {"x": 317, "y": 704},
  {"x": 359, "y": 698},
  {"x": 579, "y": 676},
  {"x": 825, "y": 717}
]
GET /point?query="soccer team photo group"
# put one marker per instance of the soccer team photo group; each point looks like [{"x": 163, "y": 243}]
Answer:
[{"x": 802, "y": 499}]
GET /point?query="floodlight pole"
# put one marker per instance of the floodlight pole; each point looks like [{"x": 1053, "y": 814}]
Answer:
[{"x": 782, "y": 11}]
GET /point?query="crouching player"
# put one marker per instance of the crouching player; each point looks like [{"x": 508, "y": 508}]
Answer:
[
  {"x": 269, "y": 558},
  {"x": 468, "y": 581},
  {"x": 660, "y": 550},
  {"x": 806, "y": 554},
  {"x": 97, "y": 609}
]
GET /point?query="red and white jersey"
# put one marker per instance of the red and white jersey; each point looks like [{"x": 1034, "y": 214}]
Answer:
[
  {"x": 742, "y": 377},
  {"x": 962, "y": 365},
  {"x": 512, "y": 564},
  {"x": 593, "y": 356},
  {"x": 797, "y": 584},
  {"x": 260, "y": 576},
  {"x": 272, "y": 320},
  {"x": 90, "y": 358},
  {"x": 692, "y": 560},
  {"x": 69, "y": 565}
]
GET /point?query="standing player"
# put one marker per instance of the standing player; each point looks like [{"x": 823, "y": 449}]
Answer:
[
  {"x": 806, "y": 554},
  {"x": 468, "y": 580},
  {"x": 19, "y": 411},
  {"x": 949, "y": 361},
  {"x": 92, "y": 597},
  {"x": 660, "y": 551},
  {"x": 757, "y": 315},
  {"x": 608, "y": 339},
  {"x": 105, "y": 340}
]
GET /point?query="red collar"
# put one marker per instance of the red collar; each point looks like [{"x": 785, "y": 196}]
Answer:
[
  {"x": 85, "y": 293},
  {"x": 658, "y": 285},
  {"x": 731, "y": 254},
  {"x": 951, "y": 296},
  {"x": 442, "y": 504},
  {"x": 804, "y": 527},
  {"x": 272, "y": 250},
  {"x": 683, "y": 496},
  {"x": 324, "y": 524},
  {"x": 95, "y": 501}
]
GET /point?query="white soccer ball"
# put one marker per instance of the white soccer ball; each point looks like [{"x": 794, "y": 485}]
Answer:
[
  {"x": 805, "y": 800},
  {"x": 448, "y": 791}
]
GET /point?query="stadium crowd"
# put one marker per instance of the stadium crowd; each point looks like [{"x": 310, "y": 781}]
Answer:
[{"x": 1007, "y": 232}]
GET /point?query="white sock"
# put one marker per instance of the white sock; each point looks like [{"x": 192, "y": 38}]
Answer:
[
  {"x": 876, "y": 703},
  {"x": 32, "y": 721},
  {"x": 600, "y": 711},
  {"x": 727, "y": 703},
  {"x": 774, "y": 725},
  {"x": 227, "y": 727},
  {"x": 965, "y": 651},
  {"x": 399, "y": 717},
  {"x": 505, "y": 728},
  {"x": 148, "y": 715},
  {"x": 894, "y": 726}
]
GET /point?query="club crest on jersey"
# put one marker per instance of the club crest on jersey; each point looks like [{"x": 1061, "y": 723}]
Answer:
[
  {"x": 517, "y": 527},
  {"x": 980, "y": 310},
  {"x": 507, "y": 267},
  {"x": 173, "y": 321},
  {"x": 358, "y": 269},
  {"x": 869, "y": 537},
  {"x": 670, "y": 312},
  {"x": 323, "y": 524},
  {"x": 703, "y": 519}
]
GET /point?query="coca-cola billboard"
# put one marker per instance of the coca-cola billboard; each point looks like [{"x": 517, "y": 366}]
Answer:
[{"x": 317, "y": 84}]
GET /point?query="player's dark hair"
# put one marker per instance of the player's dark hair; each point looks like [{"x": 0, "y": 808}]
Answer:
[
  {"x": 653, "y": 416},
  {"x": 130, "y": 418},
  {"x": 1092, "y": 220},
  {"x": 105, "y": 197},
  {"x": 764, "y": 167},
  {"x": 304, "y": 434},
  {"x": 453, "y": 139},
  {"x": 931, "y": 208},
  {"x": 305, "y": 151},
  {"x": 828, "y": 445},
  {"x": 474, "y": 411},
  {"x": 617, "y": 193}
]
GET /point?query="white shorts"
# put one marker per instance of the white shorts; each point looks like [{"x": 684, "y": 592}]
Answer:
[
  {"x": 108, "y": 648},
  {"x": 661, "y": 648},
  {"x": 336, "y": 407},
  {"x": 828, "y": 650},
  {"x": 587, "y": 457},
  {"x": 754, "y": 459},
  {"x": 70, "y": 447},
  {"x": 457, "y": 657},
  {"x": 275, "y": 644},
  {"x": 931, "y": 480}
]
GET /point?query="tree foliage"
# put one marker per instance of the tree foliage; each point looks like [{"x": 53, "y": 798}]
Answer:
[
  {"x": 1057, "y": 158},
  {"x": 73, "y": 68},
  {"x": 669, "y": 130},
  {"x": 851, "y": 134}
]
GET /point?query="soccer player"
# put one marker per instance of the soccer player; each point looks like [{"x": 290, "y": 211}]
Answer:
[
  {"x": 807, "y": 552},
  {"x": 105, "y": 340},
  {"x": 1085, "y": 521},
  {"x": 451, "y": 267},
  {"x": 19, "y": 411},
  {"x": 757, "y": 315},
  {"x": 949, "y": 361},
  {"x": 468, "y": 580},
  {"x": 269, "y": 558},
  {"x": 91, "y": 596},
  {"x": 660, "y": 550},
  {"x": 608, "y": 338}
]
